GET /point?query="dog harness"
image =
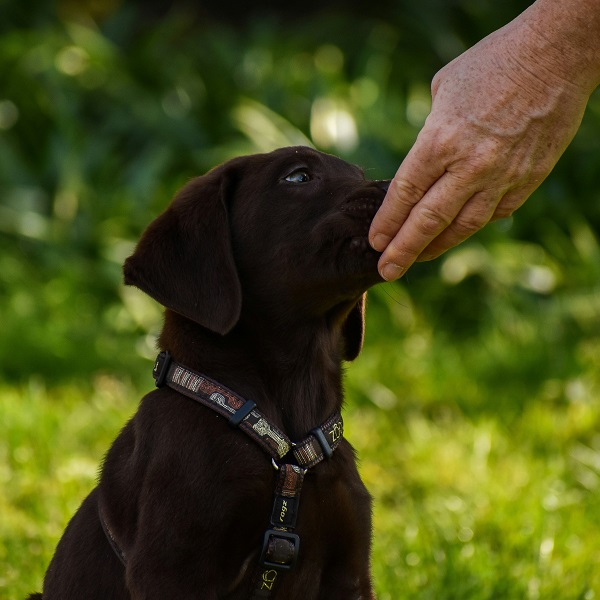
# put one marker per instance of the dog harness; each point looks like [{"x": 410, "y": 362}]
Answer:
[{"x": 280, "y": 545}]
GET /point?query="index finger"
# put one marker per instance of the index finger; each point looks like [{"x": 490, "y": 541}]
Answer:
[{"x": 416, "y": 174}]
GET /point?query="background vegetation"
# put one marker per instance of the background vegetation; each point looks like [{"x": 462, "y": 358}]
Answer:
[{"x": 474, "y": 405}]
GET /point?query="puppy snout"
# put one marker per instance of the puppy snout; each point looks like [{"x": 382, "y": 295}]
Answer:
[{"x": 384, "y": 184}]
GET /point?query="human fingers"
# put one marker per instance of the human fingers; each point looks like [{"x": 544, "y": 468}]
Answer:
[
  {"x": 428, "y": 219},
  {"x": 473, "y": 216},
  {"x": 481, "y": 209},
  {"x": 416, "y": 174},
  {"x": 514, "y": 199}
]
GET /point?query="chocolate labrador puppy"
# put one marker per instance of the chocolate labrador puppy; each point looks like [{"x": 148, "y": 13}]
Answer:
[{"x": 262, "y": 265}]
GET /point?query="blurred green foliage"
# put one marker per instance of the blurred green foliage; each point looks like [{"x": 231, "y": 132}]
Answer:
[
  {"x": 103, "y": 116},
  {"x": 480, "y": 375}
]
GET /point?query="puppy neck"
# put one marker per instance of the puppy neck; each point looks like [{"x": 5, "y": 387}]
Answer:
[{"x": 293, "y": 374}]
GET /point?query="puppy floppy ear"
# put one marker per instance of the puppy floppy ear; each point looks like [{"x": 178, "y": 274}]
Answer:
[
  {"x": 354, "y": 329},
  {"x": 184, "y": 259}
]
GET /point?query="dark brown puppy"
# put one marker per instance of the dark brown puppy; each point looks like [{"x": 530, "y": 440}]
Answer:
[{"x": 262, "y": 265}]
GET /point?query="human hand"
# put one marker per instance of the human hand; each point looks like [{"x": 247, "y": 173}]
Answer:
[{"x": 502, "y": 114}]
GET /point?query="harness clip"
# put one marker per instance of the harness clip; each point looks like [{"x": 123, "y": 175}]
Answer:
[
  {"x": 161, "y": 368},
  {"x": 280, "y": 550}
]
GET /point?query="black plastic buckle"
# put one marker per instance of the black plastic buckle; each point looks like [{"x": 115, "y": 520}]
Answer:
[
  {"x": 241, "y": 413},
  {"x": 280, "y": 550},
  {"x": 161, "y": 368},
  {"x": 327, "y": 449}
]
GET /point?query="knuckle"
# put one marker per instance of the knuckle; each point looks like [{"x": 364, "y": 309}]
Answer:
[
  {"x": 480, "y": 162},
  {"x": 430, "y": 222},
  {"x": 405, "y": 192},
  {"x": 480, "y": 165},
  {"x": 467, "y": 225},
  {"x": 444, "y": 142}
]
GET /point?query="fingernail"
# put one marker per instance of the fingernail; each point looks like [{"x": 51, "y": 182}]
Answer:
[
  {"x": 390, "y": 271},
  {"x": 380, "y": 242}
]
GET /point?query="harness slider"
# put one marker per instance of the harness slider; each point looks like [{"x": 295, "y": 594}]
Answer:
[
  {"x": 241, "y": 413},
  {"x": 327, "y": 449}
]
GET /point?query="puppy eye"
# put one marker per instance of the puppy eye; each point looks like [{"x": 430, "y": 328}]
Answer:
[{"x": 298, "y": 177}]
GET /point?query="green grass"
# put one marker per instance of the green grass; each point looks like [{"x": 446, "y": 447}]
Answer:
[
  {"x": 471, "y": 504},
  {"x": 469, "y": 509},
  {"x": 51, "y": 445},
  {"x": 475, "y": 406}
]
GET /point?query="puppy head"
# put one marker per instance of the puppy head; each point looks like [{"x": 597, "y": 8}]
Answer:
[{"x": 278, "y": 234}]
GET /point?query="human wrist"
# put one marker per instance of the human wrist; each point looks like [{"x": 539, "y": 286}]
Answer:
[{"x": 565, "y": 36}]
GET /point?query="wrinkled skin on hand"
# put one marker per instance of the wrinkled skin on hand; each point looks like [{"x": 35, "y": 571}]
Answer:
[{"x": 502, "y": 115}]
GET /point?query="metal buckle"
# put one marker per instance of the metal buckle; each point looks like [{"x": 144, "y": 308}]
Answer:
[{"x": 279, "y": 550}]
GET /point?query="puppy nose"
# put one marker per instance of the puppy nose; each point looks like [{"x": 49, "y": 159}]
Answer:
[{"x": 384, "y": 184}]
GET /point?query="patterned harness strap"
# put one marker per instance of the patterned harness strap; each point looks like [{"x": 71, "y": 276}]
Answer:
[
  {"x": 280, "y": 545},
  {"x": 242, "y": 413}
]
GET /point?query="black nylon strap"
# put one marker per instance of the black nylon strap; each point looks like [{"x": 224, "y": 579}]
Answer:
[{"x": 280, "y": 545}]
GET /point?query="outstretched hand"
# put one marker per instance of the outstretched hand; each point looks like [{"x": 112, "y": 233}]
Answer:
[{"x": 501, "y": 117}]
